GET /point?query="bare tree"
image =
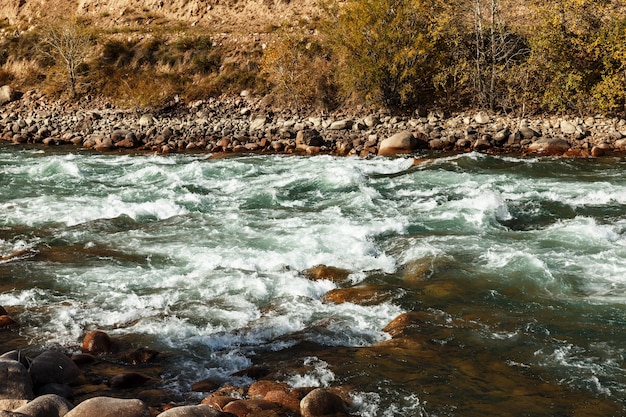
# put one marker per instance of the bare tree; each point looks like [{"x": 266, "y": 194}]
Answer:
[
  {"x": 497, "y": 48},
  {"x": 69, "y": 43}
]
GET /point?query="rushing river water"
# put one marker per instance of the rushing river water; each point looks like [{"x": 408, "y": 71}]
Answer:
[{"x": 521, "y": 310}]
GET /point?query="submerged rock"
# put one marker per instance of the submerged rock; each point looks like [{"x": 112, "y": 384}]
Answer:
[
  {"x": 97, "y": 342},
  {"x": 329, "y": 273}
]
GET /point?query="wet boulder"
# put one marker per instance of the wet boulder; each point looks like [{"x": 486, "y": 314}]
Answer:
[
  {"x": 53, "y": 367},
  {"x": 244, "y": 408},
  {"x": 330, "y": 273},
  {"x": 323, "y": 402},
  {"x": 97, "y": 342}
]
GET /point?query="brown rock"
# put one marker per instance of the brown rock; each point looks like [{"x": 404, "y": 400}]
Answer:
[
  {"x": 244, "y": 408},
  {"x": 218, "y": 401},
  {"x": 194, "y": 411},
  {"x": 329, "y": 273},
  {"x": 6, "y": 321},
  {"x": 110, "y": 407},
  {"x": 289, "y": 400},
  {"x": 206, "y": 385},
  {"x": 398, "y": 326},
  {"x": 3, "y": 311},
  {"x": 322, "y": 403},
  {"x": 362, "y": 294},
  {"x": 97, "y": 342},
  {"x": 10, "y": 405},
  {"x": 262, "y": 387}
]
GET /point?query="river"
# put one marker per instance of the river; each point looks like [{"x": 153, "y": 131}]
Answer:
[{"x": 518, "y": 304}]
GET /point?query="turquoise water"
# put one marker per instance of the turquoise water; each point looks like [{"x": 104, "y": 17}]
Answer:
[{"x": 522, "y": 308}]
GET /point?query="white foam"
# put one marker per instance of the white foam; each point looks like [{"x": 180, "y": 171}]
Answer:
[{"x": 319, "y": 376}]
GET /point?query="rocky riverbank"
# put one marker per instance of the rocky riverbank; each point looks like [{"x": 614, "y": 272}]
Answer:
[{"x": 246, "y": 125}]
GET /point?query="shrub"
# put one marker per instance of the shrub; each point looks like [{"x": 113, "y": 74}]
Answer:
[
  {"x": 386, "y": 50},
  {"x": 299, "y": 70}
]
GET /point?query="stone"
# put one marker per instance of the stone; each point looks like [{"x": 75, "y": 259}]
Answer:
[
  {"x": 146, "y": 120},
  {"x": 482, "y": 145},
  {"x": 258, "y": 123},
  {"x": 398, "y": 326},
  {"x": 482, "y": 118},
  {"x": 400, "y": 143},
  {"x": 567, "y": 127},
  {"x": 263, "y": 386},
  {"x": 341, "y": 124},
  {"x": 16, "y": 382},
  {"x": 218, "y": 401},
  {"x": 371, "y": 121},
  {"x": 549, "y": 146},
  {"x": 288, "y": 400},
  {"x": 329, "y": 273},
  {"x": 53, "y": 367},
  {"x": 7, "y": 94},
  {"x": 437, "y": 144},
  {"x": 244, "y": 408},
  {"x": 308, "y": 137},
  {"x": 363, "y": 294},
  {"x": 7, "y": 321},
  {"x": 7, "y": 407},
  {"x": 97, "y": 342},
  {"x": 620, "y": 144},
  {"x": 501, "y": 135},
  {"x": 201, "y": 410},
  {"x": 110, "y": 407},
  {"x": 49, "y": 405},
  {"x": 528, "y": 133},
  {"x": 322, "y": 402}
]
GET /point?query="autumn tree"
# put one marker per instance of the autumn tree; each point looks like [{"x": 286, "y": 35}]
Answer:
[
  {"x": 300, "y": 71},
  {"x": 386, "y": 50}
]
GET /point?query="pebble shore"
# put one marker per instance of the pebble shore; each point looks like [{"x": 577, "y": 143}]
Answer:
[{"x": 245, "y": 125}]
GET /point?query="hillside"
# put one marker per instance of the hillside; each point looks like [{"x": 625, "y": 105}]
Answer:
[{"x": 218, "y": 15}]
